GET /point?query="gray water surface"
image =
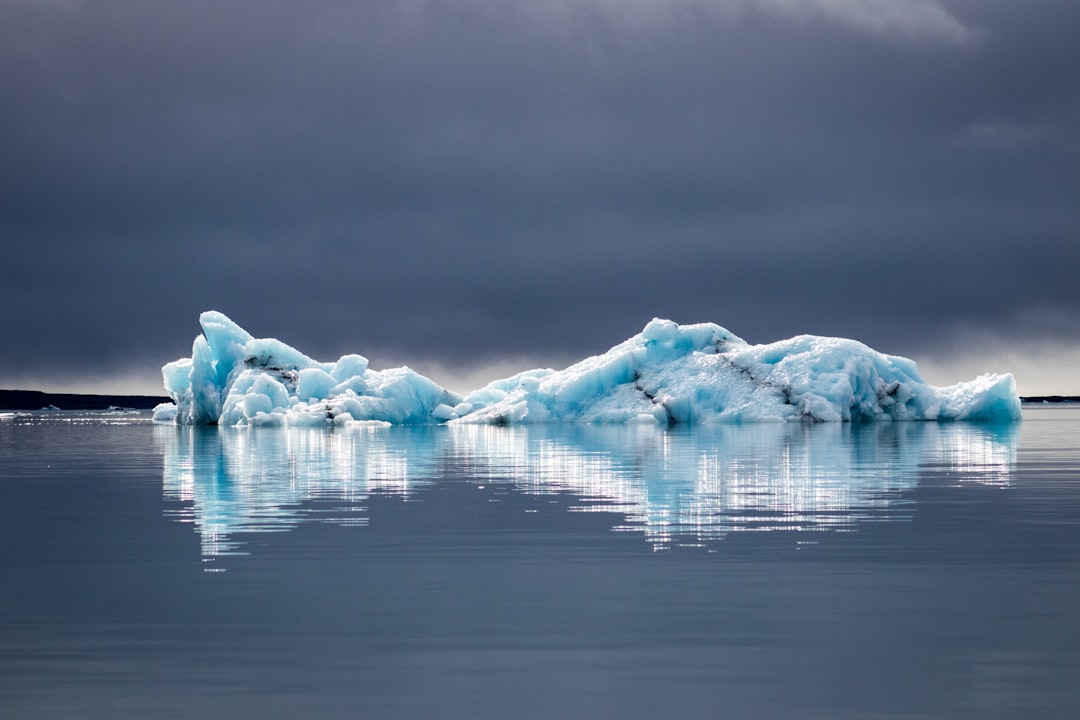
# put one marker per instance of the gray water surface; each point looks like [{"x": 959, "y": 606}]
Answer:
[{"x": 908, "y": 570}]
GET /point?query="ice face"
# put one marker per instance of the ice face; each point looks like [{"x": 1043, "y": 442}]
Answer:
[
  {"x": 235, "y": 379},
  {"x": 702, "y": 373},
  {"x": 667, "y": 374}
]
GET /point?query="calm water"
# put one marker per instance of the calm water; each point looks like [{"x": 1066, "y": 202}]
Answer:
[{"x": 887, "y": 571}]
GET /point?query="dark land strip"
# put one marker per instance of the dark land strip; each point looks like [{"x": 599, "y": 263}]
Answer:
[{"x": 37, "y": 400}]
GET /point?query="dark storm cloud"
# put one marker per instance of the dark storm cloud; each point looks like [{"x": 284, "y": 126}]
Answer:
[{"x": 471, "y": 179}]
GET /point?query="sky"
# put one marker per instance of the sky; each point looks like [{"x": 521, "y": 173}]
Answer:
[{"x": 475, "y": 187}]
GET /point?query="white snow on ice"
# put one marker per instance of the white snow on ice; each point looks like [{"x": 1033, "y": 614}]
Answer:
[{"x": 667, "y": 374}]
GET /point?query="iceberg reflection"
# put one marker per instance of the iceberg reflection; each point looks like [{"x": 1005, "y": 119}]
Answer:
[
  {"x": 676, "y": 487},
  {"x": 234, "y": 481}
]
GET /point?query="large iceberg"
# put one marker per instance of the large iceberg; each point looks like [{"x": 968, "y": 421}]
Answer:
[{"x": 666, "y": 374}]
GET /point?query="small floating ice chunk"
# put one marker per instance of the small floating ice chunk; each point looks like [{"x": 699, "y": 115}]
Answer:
[{"x": 164, "y": 413}]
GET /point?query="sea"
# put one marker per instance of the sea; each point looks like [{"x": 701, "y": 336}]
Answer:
[{"x": 892, "y": 570}]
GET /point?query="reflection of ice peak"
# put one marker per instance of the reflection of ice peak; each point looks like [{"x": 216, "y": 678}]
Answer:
[{"x": 675, "y": 487}]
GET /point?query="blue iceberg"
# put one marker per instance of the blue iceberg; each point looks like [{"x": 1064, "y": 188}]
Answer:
[
  {"x": 667, "y": 374},
  {"x": 232, "y": 378}
]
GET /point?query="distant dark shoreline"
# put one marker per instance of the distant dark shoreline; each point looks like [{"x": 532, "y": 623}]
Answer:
[
  {"x": 1051, "y": 399},
  {"x": 37, "y": 400}
]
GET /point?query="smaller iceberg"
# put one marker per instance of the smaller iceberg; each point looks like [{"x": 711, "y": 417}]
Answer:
[
  {"x": 233, "y": 378},
  {"x": 667, "y": 374}
]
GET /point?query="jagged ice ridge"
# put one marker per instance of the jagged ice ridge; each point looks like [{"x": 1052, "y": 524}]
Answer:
[{"x": 666, "y": 374}]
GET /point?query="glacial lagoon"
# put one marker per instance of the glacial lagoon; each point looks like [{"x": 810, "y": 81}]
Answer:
[{"x": 888, "y": 570}]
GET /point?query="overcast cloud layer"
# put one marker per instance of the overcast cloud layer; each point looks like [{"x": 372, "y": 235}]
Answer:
[{"x": 461, "y": 182}]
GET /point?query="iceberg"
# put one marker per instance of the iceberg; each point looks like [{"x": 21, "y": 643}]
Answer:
[
  {"x": 233, "y": 378},
  {"x": 667, "y": 374}
]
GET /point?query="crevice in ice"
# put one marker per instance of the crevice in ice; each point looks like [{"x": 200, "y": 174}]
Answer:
[{"x": 670, "y": 419}]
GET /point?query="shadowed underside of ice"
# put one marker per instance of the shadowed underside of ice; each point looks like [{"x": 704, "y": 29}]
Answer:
[{"x": 666, "y": 374}]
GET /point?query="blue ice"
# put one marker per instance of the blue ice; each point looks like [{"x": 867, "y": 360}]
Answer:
[{"x": 666, "y": 374}]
